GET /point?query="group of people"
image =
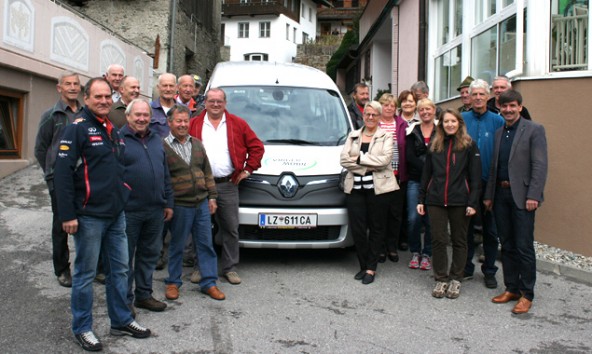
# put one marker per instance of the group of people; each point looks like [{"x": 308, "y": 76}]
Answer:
[
  {"x": 443, "y": 170},
  {"x": 122, "y": 172}
]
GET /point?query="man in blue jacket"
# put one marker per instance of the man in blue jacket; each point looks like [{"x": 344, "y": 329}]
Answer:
[
  {"x": 91, "y": 196},
  {"x": 481, "y": 126},
  {"x": 150, "y": 203}
]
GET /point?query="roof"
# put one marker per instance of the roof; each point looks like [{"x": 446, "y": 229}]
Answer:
[{"x": 239, "y": 73}]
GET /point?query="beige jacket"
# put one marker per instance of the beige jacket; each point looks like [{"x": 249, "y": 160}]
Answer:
[{"x": 378, "y": 159}]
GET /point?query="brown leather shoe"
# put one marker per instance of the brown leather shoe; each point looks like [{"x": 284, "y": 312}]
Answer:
[
  {"x": 505, "y": 297},
  {"x": 522, "y": 306},
  {"x": 172, "y": 292},
  {"x": 215, "y": 293}
]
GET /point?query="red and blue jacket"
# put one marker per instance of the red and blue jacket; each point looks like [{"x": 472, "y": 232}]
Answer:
[{"x": 89, "y": 169}]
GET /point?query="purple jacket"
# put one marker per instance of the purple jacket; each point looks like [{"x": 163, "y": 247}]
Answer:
[{"x": 401, "y": 128}]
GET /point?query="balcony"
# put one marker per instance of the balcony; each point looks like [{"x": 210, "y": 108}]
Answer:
[
  {"x": 232, "y": 8},
  {"x": 569, "y": 35}
]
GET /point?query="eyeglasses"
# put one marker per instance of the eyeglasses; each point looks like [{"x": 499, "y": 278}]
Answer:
[
  {"x": 371, "y": 114},
  {"x": 216, "y": 102}
]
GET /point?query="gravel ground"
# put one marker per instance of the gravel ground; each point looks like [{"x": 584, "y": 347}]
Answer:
[{"x": 562, "y": 257}]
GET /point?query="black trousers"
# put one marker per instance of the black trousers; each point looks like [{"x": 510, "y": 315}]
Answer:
[
  {"x": 59, "y": 237},
  {"x": 368, "y": 215},
  {"x": 459, "y": 221}
]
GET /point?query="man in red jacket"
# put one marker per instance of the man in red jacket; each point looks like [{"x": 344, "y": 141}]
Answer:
[{"x": 234, "y": 151}]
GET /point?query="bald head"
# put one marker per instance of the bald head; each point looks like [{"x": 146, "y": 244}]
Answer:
[
  {"x": 167, "y": 85},
  {"x": 129, "y": 89},
  {"x": 185, "y": 87}
]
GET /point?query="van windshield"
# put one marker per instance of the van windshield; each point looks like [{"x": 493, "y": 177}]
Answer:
[{"x": 290, "y": 115}]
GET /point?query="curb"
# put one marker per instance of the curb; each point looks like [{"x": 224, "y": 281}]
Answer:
[{"x": 565, "y": 271}]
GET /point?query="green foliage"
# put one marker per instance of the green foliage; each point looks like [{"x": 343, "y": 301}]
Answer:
[
  {"x": 380, "y": 93},
  {"x": 349, "y": 39}
]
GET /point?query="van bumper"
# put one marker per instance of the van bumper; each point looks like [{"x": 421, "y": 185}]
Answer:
[{"x": 331, "y": 232}]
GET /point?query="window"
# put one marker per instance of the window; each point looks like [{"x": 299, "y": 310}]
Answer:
[
  {"x": 11, "y": 119},
  {"x": 310, "y": 14},
  {"x": 569, "y": 35},
  {"x": 243, "y": 30},
  {"x": 264, "y": 29},
  {"x": 256, "y": 57},
  {"x": 448, "y": 73},
  {"x": 494, "y": 44},
  {"x": 294, "y": 36},
  {"x": 304, "y": 38},
  {"x": 287, "y": 32},
  {"x": 302, "y": 11}
]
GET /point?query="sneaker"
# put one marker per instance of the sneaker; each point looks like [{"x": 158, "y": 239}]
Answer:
[
  {"x": 88, "y": 341},
  {"x": 171, "y": 292},
  {"x": 440, "y": 289},
  {"x": 426, "y": 262},
  {"x": 133, "y": 329},
  {"x": 195, "y": 277},
  {"x": 453, "y": 289},
  {"x": 232, "y": 278},
  {"x": 151, "y": 304},
  {"x": 414, "y": 263},
  {"x": 490, "y": 281},
  {"x": 100, "y": 278},
  {"x": 65, "y": 279}
]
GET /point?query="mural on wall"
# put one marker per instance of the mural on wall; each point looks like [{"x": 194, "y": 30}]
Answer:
[
  {"x": 19, "y": 17},
  {"x": 111, "y": 53},
  {"x": 69, "y": 43}
]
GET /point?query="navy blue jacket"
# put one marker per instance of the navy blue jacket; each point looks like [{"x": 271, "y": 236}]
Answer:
[
  {"x": 89, "y": 170},
  {"x": 146, "y": 172}
]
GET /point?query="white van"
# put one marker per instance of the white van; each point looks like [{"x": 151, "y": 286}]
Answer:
[{"x": 293, "y": 200}]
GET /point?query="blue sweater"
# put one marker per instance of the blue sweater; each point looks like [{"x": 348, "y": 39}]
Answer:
[
  {"x": 146, "y": 172},
  {"x": 481, "y": 128}
]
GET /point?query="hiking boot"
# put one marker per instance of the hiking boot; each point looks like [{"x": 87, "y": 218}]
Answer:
[
  {"x": 453, "y": 289},
  {"x": 151, "y": 304},
  {"x": 414, "y": 263},
  {"x": 426, "y": 263},
  {"x": 133, "y": 329},
  {"x": 440, "y": 289},
  {"x": 195, "y": 277},
  {"x": 88, "y": 341},
  {"x": 232, "y": 278}
]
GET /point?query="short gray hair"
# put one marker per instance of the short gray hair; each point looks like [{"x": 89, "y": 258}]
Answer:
[
  {"x": 421, "y": 86},
  {"x": 374, "y": 105},
  {"x": 479, "y": 84},
  {"x": 130, "y": 106},
  {"x": 67, "y": 73}
]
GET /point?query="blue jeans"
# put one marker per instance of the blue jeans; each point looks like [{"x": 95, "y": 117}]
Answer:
[
  {"x": 97, "y": 235},
  {"x": 516, "y": 231},
  {"x": 415, "y": 221},
  {"x": 144, "y": 237},
  {"x": 197, "y": 222},
  {"x": 490, "y": 241}
]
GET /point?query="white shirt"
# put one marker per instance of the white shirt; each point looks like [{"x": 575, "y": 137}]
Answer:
[{"x": 216, "y": 143}]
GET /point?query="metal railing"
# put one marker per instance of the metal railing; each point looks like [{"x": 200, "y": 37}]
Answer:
[{"x": 569, "y": 42}]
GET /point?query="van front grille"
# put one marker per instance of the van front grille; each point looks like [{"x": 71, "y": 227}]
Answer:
[{"x": 321, "y": 233}]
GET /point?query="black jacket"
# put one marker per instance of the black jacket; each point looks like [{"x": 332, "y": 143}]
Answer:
[
  {"x": 89, "y": 170},
  {"x": 451, "y": 178},
  {"x": 416, "y": 151},
  {"x": 355, "y": 115}
]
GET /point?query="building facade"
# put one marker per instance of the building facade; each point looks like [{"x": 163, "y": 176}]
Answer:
[
  {"x": 268, "y": 30},
  {"x": 39, "y": 40}
]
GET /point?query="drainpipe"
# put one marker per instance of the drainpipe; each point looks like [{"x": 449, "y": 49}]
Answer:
[
  {"x": 172, "y": 35},
  {"x": 421, "y": 60}
]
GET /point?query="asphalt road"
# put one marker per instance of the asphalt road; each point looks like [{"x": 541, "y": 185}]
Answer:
[{"x": 289, "y": 302}]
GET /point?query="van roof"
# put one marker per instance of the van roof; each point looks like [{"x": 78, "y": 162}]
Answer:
[{"x": 261, "y": 73}]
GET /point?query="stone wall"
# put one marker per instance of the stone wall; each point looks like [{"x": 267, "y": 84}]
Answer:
[
  {"x": 195, "y": 48},
  {"x": 315, "y": 55}
]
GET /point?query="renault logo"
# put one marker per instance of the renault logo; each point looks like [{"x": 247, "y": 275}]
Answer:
[{"x": 288, "y": 186}]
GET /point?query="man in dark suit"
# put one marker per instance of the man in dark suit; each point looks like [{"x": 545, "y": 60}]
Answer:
[{"x": 518, "y": 175}]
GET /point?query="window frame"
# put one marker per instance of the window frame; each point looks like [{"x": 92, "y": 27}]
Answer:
[
  {"x": 17, "y": 129},
  {"x": 265, "y": 32},
  {"x": 243, "y": 29}
]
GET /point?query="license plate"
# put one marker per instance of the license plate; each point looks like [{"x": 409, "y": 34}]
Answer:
[{"x": 288, "y": 221}]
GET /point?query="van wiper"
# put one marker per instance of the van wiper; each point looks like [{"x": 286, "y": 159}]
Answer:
[{"x": 292, "y": 141}]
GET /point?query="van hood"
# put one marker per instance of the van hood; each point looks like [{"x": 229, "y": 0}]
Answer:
[{"x": 301, "y": 160}]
